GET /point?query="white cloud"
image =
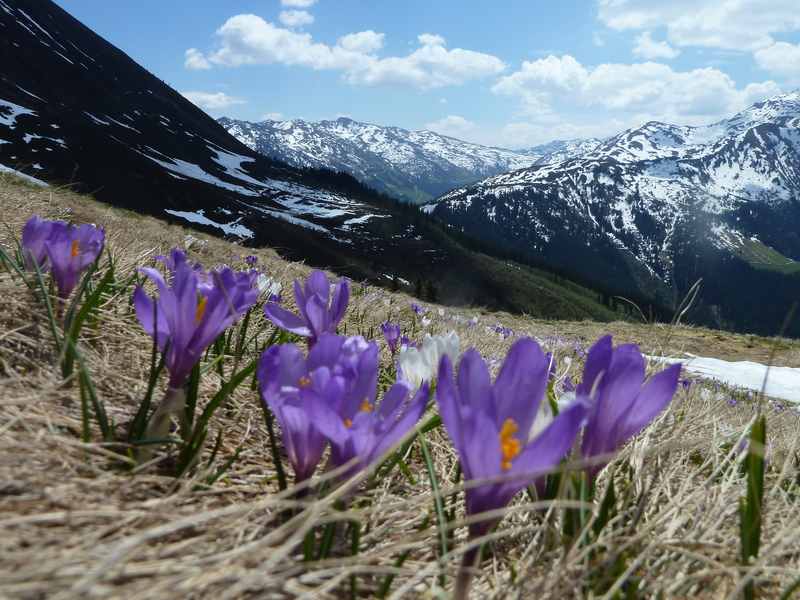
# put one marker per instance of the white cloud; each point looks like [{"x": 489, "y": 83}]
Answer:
[
  {"x": 212, "y": 100},
  {"x": 195, "y": 60},
  {"x": 781, "y": 58},
  {"x": 272, "y": 116},
  {"x": 442, "y": 100},
  {"x": 363, "y": 42},
  {"x": 296, "y": 18},
  {"x": 563, "y": 98},
  {"x": 452, "y": 125},
  {"x": 430, "y": 39},
  {"x": 730, "y": 24},
  {"x": 649, "y": 49},
  {"x": 250, "y": 40},
  {"x": 298, "y": 3}
]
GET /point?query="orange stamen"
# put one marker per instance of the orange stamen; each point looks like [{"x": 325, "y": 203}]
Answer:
[
  {"x": 304, "y": 382},
  {"x": 75, "y": 249},
  {"x": 510, "y": 447},
  {"x": 201, "y": 309},
  {"x": 366, "y": 406},
  {"x": 348, "y": 423}
]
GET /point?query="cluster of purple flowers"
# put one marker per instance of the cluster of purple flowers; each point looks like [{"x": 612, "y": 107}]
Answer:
[
  {"x": 503, "y": 331},
  {"x": 504, "y": 431},
  {"x": 493, "y": 426},
  {"x": 329, "y": 397},
  {"x": 63, "y": 249},
  {"x": 194, "y": 307}
]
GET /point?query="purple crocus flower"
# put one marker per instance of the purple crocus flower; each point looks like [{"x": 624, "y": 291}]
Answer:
[
  {"x": 35, "y": 234},
  {"x": 286, "y": 384},
  {"x": 490, "y": 425},
  {"x": 418, "y": 310},
  {"x": 331, "y": 396},
  {"x": 359, "y": 428},
  {"x": 622, "y": 404},
  {"x": 192, "y": 310},
  {"x": 321, "y": 308},
  {"x": 71, "y": 250},
  {"x": 391, "y": 332},
  {"x": 251, "y": 260}
]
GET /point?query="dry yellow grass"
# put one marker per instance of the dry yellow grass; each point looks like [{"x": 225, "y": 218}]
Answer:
[{"x": 74, "y": 523}]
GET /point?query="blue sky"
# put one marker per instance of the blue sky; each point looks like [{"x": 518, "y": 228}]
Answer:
[{"x": 510, "y": 73}]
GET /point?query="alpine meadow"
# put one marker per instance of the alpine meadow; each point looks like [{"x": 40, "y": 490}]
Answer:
[{"x": 315, "y": 299}]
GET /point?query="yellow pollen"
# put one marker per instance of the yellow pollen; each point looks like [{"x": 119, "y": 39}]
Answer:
[
  {"x": 304, "y": 381},
  {"x": 366, "y": 406},
  {"x": 201, "y": 309},
  {"x": 510, "y": 446},
  {"x": 348, "y": 423},
  {"x": 76, "y": 248}
]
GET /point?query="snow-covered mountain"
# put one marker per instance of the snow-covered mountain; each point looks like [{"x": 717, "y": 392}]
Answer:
[
  {"x": 560, "y": 150},
  {"x": 415, "y": 166},
  {"x": 655, "y": 207},
  {"x": 76, "y": 111}
]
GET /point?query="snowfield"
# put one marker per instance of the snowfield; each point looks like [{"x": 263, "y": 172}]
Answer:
[{"x": 777, "y": 382}]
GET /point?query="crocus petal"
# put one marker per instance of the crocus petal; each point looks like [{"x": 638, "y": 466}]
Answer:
[
  {"x": 341, "y": 298},
  {"x": 399, "y": 427},
  {"x": 281, "y": 366},
  {"x": 317, "y": 314},
  {"x": 597, "y": 362},
  {"x": 299, "y": 294},
  {"x": 318, "y": 285},
  {"x": 448, "y": 402},
  {"x": 304, "y": 444},
  {"x": 286, "y": 319},
  {"x": 621, "y": 386},
  {"x": 145, "y": 311},
  {"x": 328, "y": 421},
  {"x": 392, "y": 400},
  {"x": 545, "y": 452},
  {"x": 474, "y": 383},
  {"x": 521, "y": 384},
  {"x": 652, "y": 399},
  {"x": 326, "y": 351}
]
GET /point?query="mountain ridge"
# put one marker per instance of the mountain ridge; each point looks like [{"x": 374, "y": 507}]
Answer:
[
  {"x": 414, "y": 166},
  {"x": 652, "y": 202}
]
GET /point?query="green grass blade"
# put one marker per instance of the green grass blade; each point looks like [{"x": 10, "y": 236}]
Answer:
[
  {"x": 79, "y": 319},
  {"x": 441, "y": 517},
  {"x": 51, "y": 317}
]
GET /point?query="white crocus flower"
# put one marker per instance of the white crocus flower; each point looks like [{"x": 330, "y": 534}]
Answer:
[
  {"x": 545, "y": 414},
  {"x": 267, "y": 286},
  {"x": 417, "y": 365}
]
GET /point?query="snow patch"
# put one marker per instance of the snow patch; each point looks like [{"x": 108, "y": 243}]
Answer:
[
  {"x": 199, "y": 217},
  {"x": 15, "y": 111},
  {"x": 28, "y": 178},
  {"x": 781, "y": 382}
]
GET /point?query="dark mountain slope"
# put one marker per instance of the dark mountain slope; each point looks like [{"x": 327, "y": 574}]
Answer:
[{"x": 76, "y": 110}]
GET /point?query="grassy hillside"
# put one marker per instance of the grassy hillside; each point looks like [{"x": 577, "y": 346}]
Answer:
[{"x": 78, "y": 519}]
